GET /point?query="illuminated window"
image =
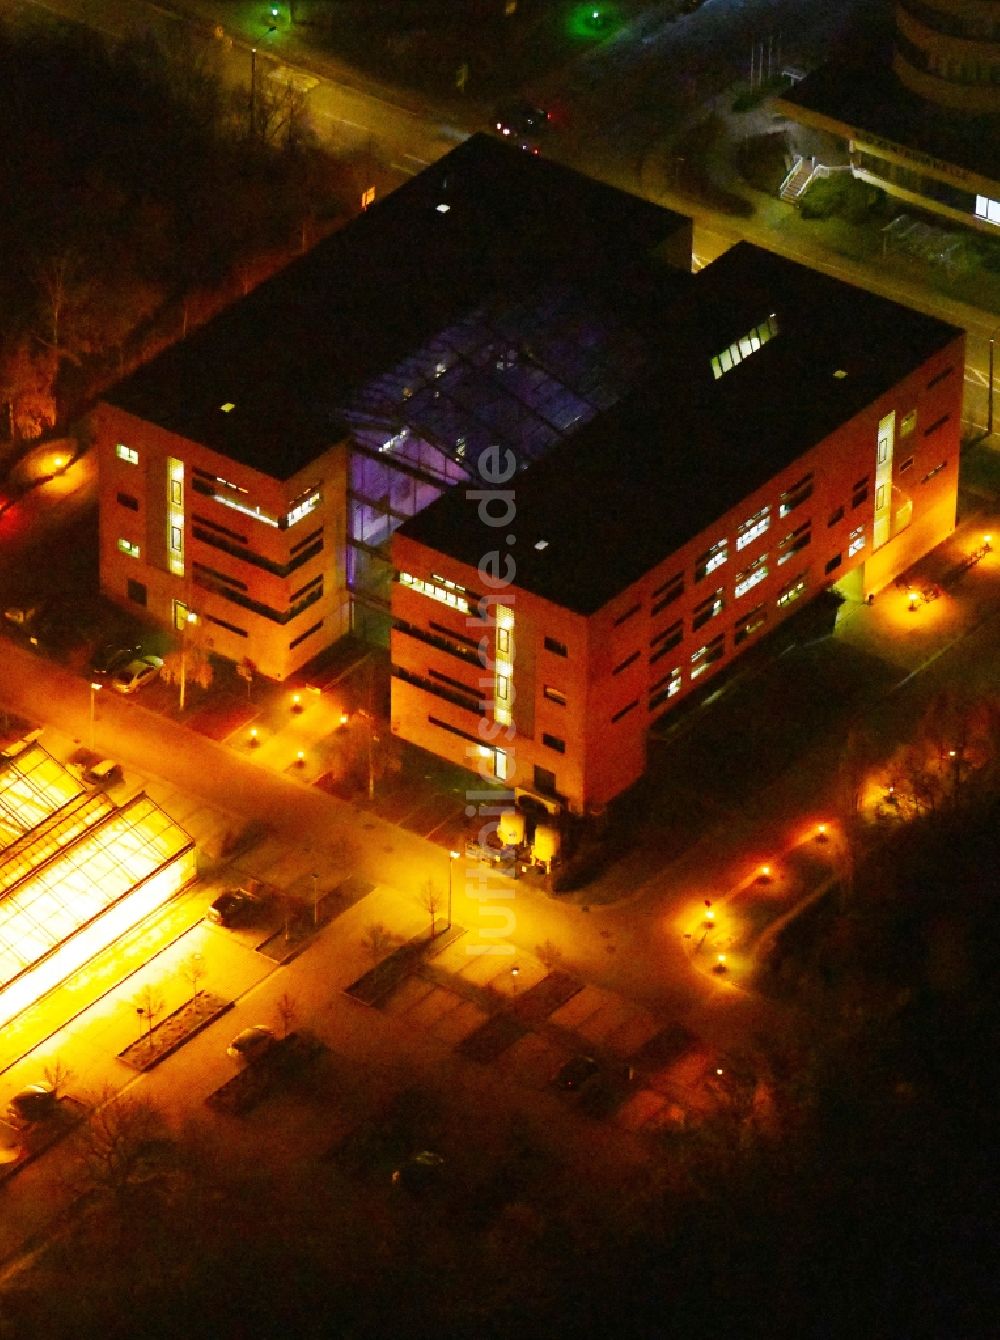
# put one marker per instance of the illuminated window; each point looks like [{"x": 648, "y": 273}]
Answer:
[
  {"x": 707, "y": 655},
  {"x": 751, "y": 576},
  {"x": 708, "y": 609},
  {"x": 665, "y": 688},
  {"x": 175, "y": 515},
  {"x": 503, "y": 665},
  {"x": 749, "y": 624},
  {"x": 855, "y": 541},
  {"x": 711, "y": 559},
  {"x": 128, "y": 454},
  {"x": 879, "y": 497},
  {"x": 798, "y": 493},
  {"x": 501, "y": 765},
  {"x": 908, "y": 424},
  {"x": 743, "y": 347},
  {"x": 988, "y": 209},
  {"x": 449, "y": 593},
  {"x": 128, "y": 547},
  {"x": 755, "y": 525},
  {"x": 554, "y": 695},
  {"x": 792, "y": 590},
  {"x": 302, "y": 508}
]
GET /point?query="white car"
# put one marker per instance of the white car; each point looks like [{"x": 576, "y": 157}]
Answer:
[
  {"x": 130, "y": 678},
  {"x": 251, "y": 1044}
]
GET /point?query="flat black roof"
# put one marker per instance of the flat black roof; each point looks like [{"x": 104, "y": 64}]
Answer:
[
  {"x": 860, "y": 90},
  {"x": 485, "y": 219},
  {"x": 641, "y": 480}
]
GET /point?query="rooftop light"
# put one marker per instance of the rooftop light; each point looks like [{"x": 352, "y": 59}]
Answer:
[
  {"x": 227, "y": 407},
  {"x": 840, "y": 374},
  {"x": 443, "y": 208},
  {"x": 541, "y": 544}
]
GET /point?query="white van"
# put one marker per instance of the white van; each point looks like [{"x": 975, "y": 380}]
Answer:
[{"x": 106, "y": 772}]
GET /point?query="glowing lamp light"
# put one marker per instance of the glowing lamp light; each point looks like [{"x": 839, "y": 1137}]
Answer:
[
  {"x": 300, "y": 757},
  {"x": 720, "y": 963},
  {"x": 344, "y": 718},
  {"x": 296, "y": 702},
  {"x": 764, "y": 874},
  {"x": 821, "y": 833},
  {"x": 253, "y": 736},
  {"x": 453, "y": 855},
  {"x": 912, "y": 600}
]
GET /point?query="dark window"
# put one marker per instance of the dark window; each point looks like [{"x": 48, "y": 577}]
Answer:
[
  {"x": 791, "y": 544},
  {"x": 136, "y": 592},
  {"x": 938, "y": 423},
  {"x": 623, "y": 665},
  {"x": 940, "y": 376},
  {"x": 708, "y": 609},
  {"x": 835, "y": 516},
  {"x": 905, "y": 465},
  {"x": 306, "y": 539},
  {"x": 200, "y": 486},
  {"x": 128, "y": 501},
  {"x": 667, "y": 593},
  {"x": 931, "y": 473},
  {"x": 453, "y": 730},
  {"x": 666, "y": 641},
  {"x": 749, "y": 624},
  {"x": 557, "y": 648},
  {"x": 862, "y": 483},
  {"x": 859, "y": 497},
  {"x": 450, "y": 632},
  {"x": 798, "y": 493},
  {"x": 214, "y": 525},
  {"x": 832, "y": 563},
  {"x": 455, "y": 683},
  {"x": 628, "y": 614},
  {"x": 545, "y": 781},
  {"x": 554, "y": 742},
  {"x": 445, "y": 644},
  {"x": 297, "y": 595},
  {"x": 221, "y": 623},
  {"x": 625, "y": 711},
  {"x": 554, "y": 695},
  {"x": 206, "y": 571},
  {"x": 302, "y": 636}
]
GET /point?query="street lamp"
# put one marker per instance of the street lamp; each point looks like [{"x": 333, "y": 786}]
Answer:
[
  {"x": 95, "y": 689},
  {"x": 452, "y": 858}
]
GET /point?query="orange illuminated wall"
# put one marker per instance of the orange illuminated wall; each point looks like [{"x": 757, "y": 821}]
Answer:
[
  {"x": 259, "y": 559},
  {"x": 857, "y": 509}
]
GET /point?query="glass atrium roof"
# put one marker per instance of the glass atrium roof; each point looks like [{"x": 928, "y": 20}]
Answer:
[{"x": 517, "y": 373}]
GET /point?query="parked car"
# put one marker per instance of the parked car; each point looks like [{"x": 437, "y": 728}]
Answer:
[
  {"x": 422, "y": 1172},
  {"x": 234, "y": 907},
  {"x": 32, "y": 1105},
  {"x": 21, "y": 615},
  {"x": 112, "y": 656},
  {"x": 575, "y": 1073},
  {"x": 130, "y": 678},
  {"x": 251, "y": 1044},
  {"x": 105, "y": 772}
]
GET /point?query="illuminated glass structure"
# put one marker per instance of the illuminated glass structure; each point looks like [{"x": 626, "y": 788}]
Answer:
[{"x": 76, "y": 872}]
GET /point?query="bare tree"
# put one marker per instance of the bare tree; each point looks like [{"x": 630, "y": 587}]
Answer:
[
  {"x": 193, "y": 969},
  {"x": 57, "y": 1076},
  {"x": 549, "y": 955},
  {"x": 430, "y": 901},
  {"x": 120, "y": 1147},
  {"x": 148, "y": 1007},
  {"x": 377, "y": 941}
]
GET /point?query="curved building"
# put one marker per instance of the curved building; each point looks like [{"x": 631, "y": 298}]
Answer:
[{"x": 948, "y": 52}]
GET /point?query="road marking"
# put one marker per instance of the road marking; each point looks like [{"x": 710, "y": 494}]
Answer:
[
  {"x": 415, "y": 158},
  {"x": 400, "y": 167}
]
